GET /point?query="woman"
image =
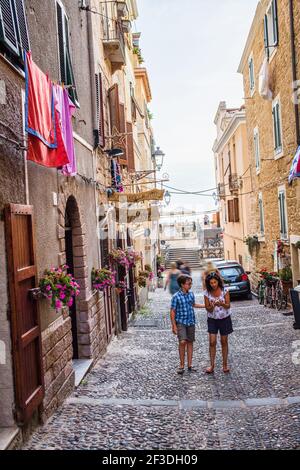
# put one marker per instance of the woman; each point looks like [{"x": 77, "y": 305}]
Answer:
[
  {"x": 217, "y": 304},
  {"x": 172, "y": 279}
]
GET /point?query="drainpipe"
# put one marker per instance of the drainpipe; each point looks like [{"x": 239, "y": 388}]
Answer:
[{"x": 294, "y": 67}]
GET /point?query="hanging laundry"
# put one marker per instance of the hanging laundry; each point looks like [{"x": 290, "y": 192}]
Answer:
[
  {"x": 264, "y": 81},
  {"x": 66, "y": 109},
  {"x": 39, "y": 104},
  {"x": 45, "y": 143},
  {"x": 39, "y": 153},
  {"x": 116, "y": 178},
  {"x": 295, "y": 169}
]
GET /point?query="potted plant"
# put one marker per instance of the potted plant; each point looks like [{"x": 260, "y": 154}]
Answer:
[
  {"x": 59, "y": 287},
  {"x": 121, "y": 286},
  {"x": 120, "y": 257},
  {"x": 102, "y": 279},
  {"x": 142, "y": 281},
  {"x": 286, "y": 276},
  {"x": 133, "y": 257},
  {"x": 253, "y": 244},
  {"x": 270, "y": 277}
]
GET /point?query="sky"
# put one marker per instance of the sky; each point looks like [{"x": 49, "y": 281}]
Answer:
[{"x": 192, "y": 49}]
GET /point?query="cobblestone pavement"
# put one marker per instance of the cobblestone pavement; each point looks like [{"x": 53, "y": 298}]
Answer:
[{"x": 133, "y": 398}]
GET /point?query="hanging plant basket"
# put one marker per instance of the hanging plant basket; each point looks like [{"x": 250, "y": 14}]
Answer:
[
  {"x": 59, "y": 287},
  {"x": 253, "y": 244},
  {"x": 102, "y": 279}
]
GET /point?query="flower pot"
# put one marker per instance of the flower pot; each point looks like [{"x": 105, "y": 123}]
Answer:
[{"x": 287, "y": 285}]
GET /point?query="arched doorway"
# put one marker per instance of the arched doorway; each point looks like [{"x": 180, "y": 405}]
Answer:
[{"x": 71, "y": 215}]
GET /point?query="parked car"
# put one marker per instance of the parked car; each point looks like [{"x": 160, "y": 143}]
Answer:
[{"x": 235, "y": 278}]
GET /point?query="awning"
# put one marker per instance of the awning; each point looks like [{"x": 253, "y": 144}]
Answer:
[
  {"x": 295, "y": 169},
  {"x": 152, "y": 195}
]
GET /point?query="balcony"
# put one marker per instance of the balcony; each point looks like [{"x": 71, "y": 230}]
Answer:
[
  {"x": 233, "y": 182},
  {"x": 114, "y": 45},
  {"x": 221, "y": 190}
]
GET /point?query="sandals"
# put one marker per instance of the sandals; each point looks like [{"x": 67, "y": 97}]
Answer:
[
  {"x": 180, "y": 371},
  {"x": 226, "y": 370},
  {"x": 210, "y": 370},
  {"x": 192, "y": 369}
]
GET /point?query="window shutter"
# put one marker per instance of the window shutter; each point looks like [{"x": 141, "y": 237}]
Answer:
[
  {"x": 114, "y": 108},
  {"x": 100, "y": 111},
  {"x": 22, "y": 24},
  {"x": 123, "y": 159},
  {"x": 236, "y": 210},
  {"x": 266, "y": 33},
  {"x": 61, "y": 44},
  {"x": 275, "y": 22},
  {"x": 283, "y": 222},
  {"x": 8, "y": 30},
  {"x": 130, "y": 147},
  {"x": 231, "y": 211},
  {"x": 278, "y": 125}
]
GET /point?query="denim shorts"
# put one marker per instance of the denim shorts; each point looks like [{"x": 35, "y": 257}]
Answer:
[{"x": 224, "y": 326}]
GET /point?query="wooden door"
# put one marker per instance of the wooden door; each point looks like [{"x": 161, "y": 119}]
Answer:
[
  {"x": 108, "y": 301},
  {"x": 25, "y": 324}
]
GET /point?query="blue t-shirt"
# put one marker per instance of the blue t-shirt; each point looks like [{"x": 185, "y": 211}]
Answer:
[{"x": 183, "y": 304}]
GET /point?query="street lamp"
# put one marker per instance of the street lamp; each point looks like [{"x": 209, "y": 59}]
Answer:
[
  {"x": 158, "y": 158},
  {"x": 167, "y": 198}
]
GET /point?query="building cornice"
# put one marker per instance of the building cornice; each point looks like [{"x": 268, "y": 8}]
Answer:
[
  {"x": 238, "y": 119},
  {"x": 141, "y": 72},
  {"x": 133, "y": 9},
  {"x": 258, "y": 17}
]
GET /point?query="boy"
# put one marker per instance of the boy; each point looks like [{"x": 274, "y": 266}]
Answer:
[{"x": 183, "y": 320}]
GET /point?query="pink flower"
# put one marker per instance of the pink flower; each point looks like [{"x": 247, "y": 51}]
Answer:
[
  {"x": 58, "y": 304},
  {"x": 48, "y": 288},
  {"x": 62, "y": 296},
  {"x": 70, "y": 303}
]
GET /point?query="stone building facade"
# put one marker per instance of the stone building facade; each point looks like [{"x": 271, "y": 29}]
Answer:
[
  {"x": 68, "y": 213},
  {"x": 272, "y": 137},
  {"x": 233, "y": 181}
]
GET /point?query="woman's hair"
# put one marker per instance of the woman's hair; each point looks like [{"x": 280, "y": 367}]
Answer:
[
  {"x": 173, "y": 265},
  {"x": 217, "y": 278}
]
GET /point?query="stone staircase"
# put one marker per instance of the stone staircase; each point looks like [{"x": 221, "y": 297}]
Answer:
[{"x": 188, "y": 255}]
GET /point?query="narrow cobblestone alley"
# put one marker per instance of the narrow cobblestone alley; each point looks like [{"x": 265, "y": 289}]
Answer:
[{"x": 133, "y": 398}]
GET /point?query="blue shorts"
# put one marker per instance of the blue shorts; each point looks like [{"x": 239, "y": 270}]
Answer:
[{"x": 224, "y": 326}]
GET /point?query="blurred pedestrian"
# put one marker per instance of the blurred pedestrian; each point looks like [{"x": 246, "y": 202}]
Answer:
[{"x": 172, "y": 277}]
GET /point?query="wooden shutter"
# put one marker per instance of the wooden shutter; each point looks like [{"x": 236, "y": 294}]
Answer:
[
  {"x": 114, "y": 109},
  {"x": 61, "y": 44},
  {"x": 130, "y": 147},
  {"x": 123, "y": 159},
  {"x": 100, "y": 131},
  {"x": 266, "y": 36},
  {"x": 275, "y": 22},
  {"x": 8, "y": 27},
  {"x": 26, "y": 331},
  {"x": 236, "y": 210},
  {"x": 22, "y": 26},
  {"x": 231, "y": 211}
]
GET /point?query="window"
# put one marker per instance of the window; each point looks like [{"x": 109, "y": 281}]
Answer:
[
  {"x": 261, "y": 214},
  {"x": 251, "y": 75},
  {"x": 233, "y": 210},
  {"x": 282, "y": 213},
  {"x": 99, "y": 132},
  {"x": 257, "y": 149},
  {"x": 271, "y": 28},
  {"x": 14, "y": 38},
  {"x": 277, "y": 127},
  {"x": 66, "y": 69}
]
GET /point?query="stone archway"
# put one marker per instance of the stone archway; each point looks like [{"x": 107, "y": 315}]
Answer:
[{"x": 72, "y": 240}]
